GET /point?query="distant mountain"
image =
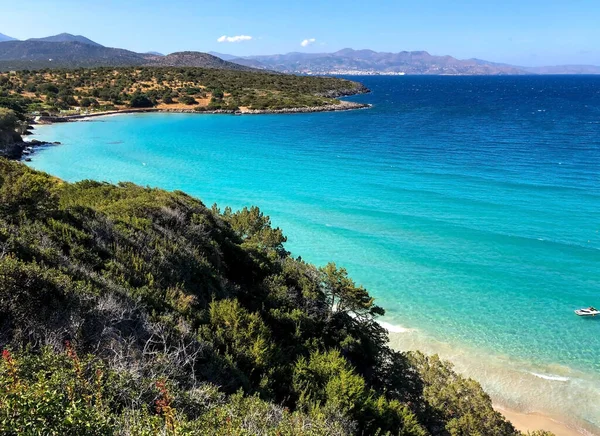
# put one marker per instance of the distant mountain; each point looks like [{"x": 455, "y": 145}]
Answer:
[
  {"x": 247, "y": 62},
  {"x": 225, "y": 57},
  {"x": 252, "y": 63},
  {"x": 4, "y": 38},
  {"x": 154, "y": 53},
  {"x": 564, "y": 69},
  {"x": 493, "y": 64},
  {"x": 34, "y": 54},
  {"x": 73, "y": 51},
  {"x": 67, "y": 37},
  {"x": 349, "y": 61},
  {"x": 42, "y": 54}
]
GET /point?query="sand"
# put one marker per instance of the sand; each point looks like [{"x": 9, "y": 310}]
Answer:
[{"x": 534, "y": 421}]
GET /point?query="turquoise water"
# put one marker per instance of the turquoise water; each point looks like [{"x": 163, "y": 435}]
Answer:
[{"x": 470, "y": 207}]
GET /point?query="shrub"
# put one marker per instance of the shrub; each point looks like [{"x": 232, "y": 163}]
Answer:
[
  {"x": 189, "y": 100},
  {"x": 8, "y": 119},
  {"x": 140, "y": 101},
  {"x": 52, "y": 394},
  {"x": 88, "y": 102}
]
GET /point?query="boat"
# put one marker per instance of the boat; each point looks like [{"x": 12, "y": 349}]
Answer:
[{"x": 590, "y": 311}]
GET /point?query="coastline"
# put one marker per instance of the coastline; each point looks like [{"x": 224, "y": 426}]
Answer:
[
  {"x": 528, "y": 422},
  {"x": 23, "y": 149},
  {"x": 342, "y": 106},
  {"x": 513, "y": 385},
  {"x": 523, "y": 421}
]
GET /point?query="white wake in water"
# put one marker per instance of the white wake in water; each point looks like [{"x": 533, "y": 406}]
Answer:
[
  {"x": 551, "y": 377},
  {"x": 392, "y": 328}
]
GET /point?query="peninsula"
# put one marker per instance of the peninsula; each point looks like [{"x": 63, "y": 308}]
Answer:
[
  {"x": 48, "y": 96},
  {"x": 195, "y": 89}
]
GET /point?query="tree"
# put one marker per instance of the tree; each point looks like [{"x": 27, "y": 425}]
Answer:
[
  {"x": 186, "y": 99},
  {"x": 254, "y": 227},
  {"x": 343, "y": 295},
  {"x": 8, "y": 119},
  {"x": 140, "y": 101},
  {"x": 87, "y": 102}
]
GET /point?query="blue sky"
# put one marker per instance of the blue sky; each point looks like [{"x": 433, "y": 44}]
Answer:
[{"x": 524, "y": 32}]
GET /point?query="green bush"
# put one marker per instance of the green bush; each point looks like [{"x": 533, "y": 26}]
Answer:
[
  {"x": 140, "y": 101},
  {"x": 186, "y": 99},
  {"x": 52, "y": 395},
  {"x": 8, "y": 119}
]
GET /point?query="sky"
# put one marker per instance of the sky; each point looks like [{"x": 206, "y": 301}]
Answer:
[{"x": 520, "y": 32}]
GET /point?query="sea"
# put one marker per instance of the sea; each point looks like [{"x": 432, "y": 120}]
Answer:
[{"x": 468, "y": 206}]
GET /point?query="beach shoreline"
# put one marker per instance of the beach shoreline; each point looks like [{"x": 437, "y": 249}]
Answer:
[
  {"x": 529, "y": 422},
  {"x": 342, "y": 106},
  {"x": 525, "y": 394}
]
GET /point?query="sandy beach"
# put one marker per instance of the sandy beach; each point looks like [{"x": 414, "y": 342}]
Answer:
[{"x": 526, "y": 422}]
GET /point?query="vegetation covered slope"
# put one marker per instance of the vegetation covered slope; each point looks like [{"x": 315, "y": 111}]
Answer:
[
  {"x": 31, "y": 54},
  {"x": 76, "y": 51},
  {"x": 129, "y": 310},
  {"x": 167, "y": 88}
]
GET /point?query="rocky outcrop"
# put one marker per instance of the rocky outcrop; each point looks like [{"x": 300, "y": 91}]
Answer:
[
  {"x": 358, "y": 88},
  {"x": 342, "y": 106},
  {"x": 11, "y": 145}
]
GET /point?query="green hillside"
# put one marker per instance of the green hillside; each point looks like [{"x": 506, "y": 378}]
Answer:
[
  {"x": 190, "y": 88},
  {"x": 135, "y": 311}
]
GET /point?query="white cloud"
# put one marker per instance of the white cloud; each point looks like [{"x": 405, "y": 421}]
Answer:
[
  {"x": 308, "y": 42},
  {"x": 238, "y": 38}
]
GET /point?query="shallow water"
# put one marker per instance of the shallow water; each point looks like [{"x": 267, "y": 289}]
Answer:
[{"x": 468, "y": 206}]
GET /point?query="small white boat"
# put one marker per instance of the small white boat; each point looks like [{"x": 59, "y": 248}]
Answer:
[{"x": 590, "y": 311}]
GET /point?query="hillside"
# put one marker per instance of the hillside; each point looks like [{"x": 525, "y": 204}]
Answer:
[
  {"x": 19, "y": 55},
  {"x": 194, "y": 59},
  {"x": 129, "y": 310},
  {"x": 67, "y": 37},
  {"x": 68, "y": 51},
  {"x": 71, "y": 92}
]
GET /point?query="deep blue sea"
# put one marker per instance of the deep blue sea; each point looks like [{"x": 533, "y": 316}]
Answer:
[{"x": 468, "y": 206}]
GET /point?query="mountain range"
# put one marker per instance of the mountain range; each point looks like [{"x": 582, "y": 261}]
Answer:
[
  {"x": 349, "y": 61},
  {"x": 74, "y": 51}
]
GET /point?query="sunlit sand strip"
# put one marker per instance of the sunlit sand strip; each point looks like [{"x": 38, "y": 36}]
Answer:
[{"x": 553, "y": 398}]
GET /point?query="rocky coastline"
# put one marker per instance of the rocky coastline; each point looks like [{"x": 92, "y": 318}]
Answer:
[{"x": 17, "y": 149}]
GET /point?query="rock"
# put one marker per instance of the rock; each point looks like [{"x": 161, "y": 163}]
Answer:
[{"x": 57, "y": 143}]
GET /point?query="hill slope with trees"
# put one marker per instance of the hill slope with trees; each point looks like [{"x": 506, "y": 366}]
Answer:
[
  {"x": 169, "y": 88},
  {"x": 135, "y": 311},
  {"x": 70, "y": 51}
]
